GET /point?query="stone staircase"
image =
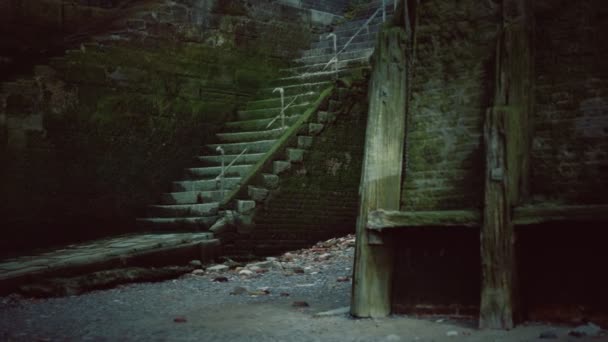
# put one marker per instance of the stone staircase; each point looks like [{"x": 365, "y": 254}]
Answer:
[{"x": 250, "y": 142}]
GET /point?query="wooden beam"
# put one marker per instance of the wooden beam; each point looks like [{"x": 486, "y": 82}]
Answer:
[
  {"x": 497, "y": 250},
  {"x": 507, "y": 145},
  {"x": 385, "y": 220},
  {"x": 381, "y": 174},
  {"x": 535, "y": 214}
]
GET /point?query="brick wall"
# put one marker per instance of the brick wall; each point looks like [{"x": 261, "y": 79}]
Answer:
[
  {"x": 450, "y": 92},
  {"x": 570, "y": 140}
]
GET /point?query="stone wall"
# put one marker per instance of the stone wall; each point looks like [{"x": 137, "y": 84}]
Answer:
[
  {"x": 570, "y": 139},
  {"x": 96, "y": 134},
  {"x": 318, "y": 198},
  {"x": 451, "y": 89}
]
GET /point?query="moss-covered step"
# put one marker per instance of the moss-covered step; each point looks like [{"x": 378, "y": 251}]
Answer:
[
  {"x": 342, "y": 40},
  {"x": 234, "y": 137},
  {"x": 265, "y": 113},
  {"x": 191, "y": 197},
  {"x": 258, "y": 124},
  {"x": 362, "y": 53},
  {"x": 295, "y": 89},
  {"x": 184, "y": 210},
  {"x": 204, "y": 185},
  {"x": 311, "y": 68},
  {"x": 177, "y": 223},
  {"x": 214, "y": 171},
  {"x": 216, "y": 160},
  {"x": 345, "y": 68},
  {"x": 236, "y": 148},
  {"x": 275, "y": 101},
  {"x": 330, "y": 49}
]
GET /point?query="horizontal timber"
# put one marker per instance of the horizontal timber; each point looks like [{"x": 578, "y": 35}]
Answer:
[{"x": 381, "y": 220}]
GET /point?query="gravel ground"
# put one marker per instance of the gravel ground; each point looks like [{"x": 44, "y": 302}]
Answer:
[{"x": 197, "y": 308}]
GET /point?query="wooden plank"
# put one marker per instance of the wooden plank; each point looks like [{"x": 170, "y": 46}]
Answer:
[
  {"x": 381, "y": 174},
  {"x": 382, "y": 220},
  {"x": 507, "y": 144},
  {"x": 497, "y": 250}
]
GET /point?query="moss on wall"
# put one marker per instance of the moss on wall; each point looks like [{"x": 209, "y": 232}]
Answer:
[{"x": 95, "y": 137}]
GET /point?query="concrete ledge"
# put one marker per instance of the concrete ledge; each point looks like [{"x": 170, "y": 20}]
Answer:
[{"x": 107, "y": 253}]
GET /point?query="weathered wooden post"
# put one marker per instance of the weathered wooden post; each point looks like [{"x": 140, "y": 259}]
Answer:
[
  {"x": 381, "y": 175},
  {"x": 506, "y": 140}
]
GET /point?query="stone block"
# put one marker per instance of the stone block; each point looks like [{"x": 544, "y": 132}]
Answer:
[
  {"x": 271, "y": 181},
  {"x": 257, "y": 194},
  {"x": 280, "y": 166},
  {"x": 295, "y": 155},
  {"x": 244, "y": 207},
  {"x": 326, "y": 117},
  {"x": 315, "y": 129}
]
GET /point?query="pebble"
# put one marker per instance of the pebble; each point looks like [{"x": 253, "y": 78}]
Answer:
[
  {"x": 239, "y": 290},
  {"x": 246, "y": 273},
  {"x": 180, "y": 319},
  {"x": 198, "y": 272},
  {"x": 217, "y": 268},
  {"x": 220, "y": 279},
  {"x": 451, "y": 333},
  {"x": 195, "y": 263},
  {"x": 300, "y": 304},
  {"x": 343, "y": 279},
  {"x": 589, "y": 329},
  {"x": 548, "y": 335}
]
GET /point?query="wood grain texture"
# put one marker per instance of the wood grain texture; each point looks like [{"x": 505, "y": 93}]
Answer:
[
  {"x": 381, "y": 174},
  {"x": 507, "y": 146}
]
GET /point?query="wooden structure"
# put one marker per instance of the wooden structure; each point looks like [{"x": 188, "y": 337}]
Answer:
[{"x": 506, "y": 146}]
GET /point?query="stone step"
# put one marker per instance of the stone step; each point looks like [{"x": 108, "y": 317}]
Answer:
[
  {"x": 366, "y": 11},
  {"x": 185, "y": 210},
  {"x": 261, "y": 146},
  {"x": 205, "y": 185},
  {"x": 358, "y": 22},
  {"x": 319, "y": 67},
  {"x": 357, "y": 54},
  {"x": 295, "y": 89},
  {"x": 267, "y": 113},
  {"x": 275, "y": 102},
  {"x": 345, "y": 68},
  {"x": 177, "y": 223},
  {"x": 251, "y": 135},
  {"x": 214, "y": 171},
  {"x": 259, "y": 124},
  {"x": 330, "y": 50},
  {"x": 363, "y": 37},
  {"x": 216, "y": 160},
  {"x": 191, "y": 197}
]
